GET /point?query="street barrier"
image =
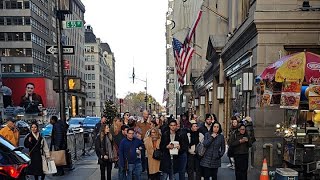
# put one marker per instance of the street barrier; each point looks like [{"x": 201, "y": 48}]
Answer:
[{"x": 78, "y": 143}]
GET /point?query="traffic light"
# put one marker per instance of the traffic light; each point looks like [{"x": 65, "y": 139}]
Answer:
[
  {"x": 146, "y": 99},
  {"x": 74, "y": 84}
]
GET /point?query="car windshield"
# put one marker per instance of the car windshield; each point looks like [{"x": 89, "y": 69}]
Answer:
[
  {"x": 91, "y": 120},
  {"x": 6, "y": 143},
  {"x": 75, "y": 120}
]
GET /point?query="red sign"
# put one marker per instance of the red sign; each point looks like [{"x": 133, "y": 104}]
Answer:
[
  {"x": 40, "y": 89},
  {"x": 66, "y": 64}
]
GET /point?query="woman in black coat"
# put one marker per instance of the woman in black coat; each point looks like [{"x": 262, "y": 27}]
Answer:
[
  {"x": 241, "y": 143},
  {"x": 104, "y": 151},
  {"x": 37, "y": 147}
]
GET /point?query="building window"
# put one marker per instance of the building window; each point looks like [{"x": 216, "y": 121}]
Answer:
[
  {"x": 28, "y": 36},
  {"x": 17, "y": 21},
  {"x": 26, "y": 20},
  {"x": 7, "y": 68},
  {"x": 26, "y": 68},
  {"x": 26, "y": 4},
  {"x": 9, "y": 21},
  {"x": 2, "y": 37},
  {"x": 1, "y": 20},
  {"x": 93, "y": 85},
  {"x": 1, "y": 4}
]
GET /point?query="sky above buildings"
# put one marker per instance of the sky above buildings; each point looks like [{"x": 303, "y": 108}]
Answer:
[{"x": 135, "y": 31}]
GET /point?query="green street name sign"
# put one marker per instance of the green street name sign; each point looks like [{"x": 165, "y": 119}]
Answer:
[{"x": 72, "y": 24}]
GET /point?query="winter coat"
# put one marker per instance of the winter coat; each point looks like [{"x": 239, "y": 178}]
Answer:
[
  {"x": 203, "y": 129},
  {"x": 12, "y": 135},
  {"x": 36, "y": 149},
  {"x": 154, "y": 165},
  {"x": 182, "y": 138},
  {"x": 240, "y": 148},
  {"x": 59, "y": 135},
  {"x": 101, "y": 149},
  {"x": 215, "y": 150}
]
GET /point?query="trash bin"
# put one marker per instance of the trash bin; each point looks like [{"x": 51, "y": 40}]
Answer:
[{"x": 286, "y": 174}]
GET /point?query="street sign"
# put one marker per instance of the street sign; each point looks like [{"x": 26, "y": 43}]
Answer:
[
  {"x": 72, "y": 24},
  {"x": 67, "y": 50}
]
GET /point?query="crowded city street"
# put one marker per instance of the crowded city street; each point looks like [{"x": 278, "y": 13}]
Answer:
[{"x": 160, "y": 90}]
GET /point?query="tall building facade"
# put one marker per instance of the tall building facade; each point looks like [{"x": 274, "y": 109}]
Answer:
[
  {"x": 26, "y": 28},
  {"x": 100, "y": 73},
  {"x": 253, "y": 34}
]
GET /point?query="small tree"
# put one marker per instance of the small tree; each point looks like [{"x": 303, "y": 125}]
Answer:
[{"x": 110, "y": 110}]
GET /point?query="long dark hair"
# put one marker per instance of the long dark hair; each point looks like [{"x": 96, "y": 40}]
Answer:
[
  {"x": 211, "y": 128},
  {"x": 102, "y": 133}
]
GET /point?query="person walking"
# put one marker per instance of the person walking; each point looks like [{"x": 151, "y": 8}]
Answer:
[
  {"x": 152, "y": 143},
  {"x": 58, "y": 139},
  {"x": 193, "y": 165},
  {"x": 97, "y": 127},
  {"x": 232, "y": 132},
  {"x": 215, "y": 145},
  {"x": 10, "y": 132},
  {"x": 206, "y": 125},
  {"x": 129, "y": 153},
  {"x": 170, "y": 163},
  {"x": 144, "y": 125},
  {"x": 241, "y": 144},
  {"x": 104, "y": 150},
  {"x": 38, "y": 147}
]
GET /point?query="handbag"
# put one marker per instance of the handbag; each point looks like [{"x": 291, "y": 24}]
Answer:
[
  {"x": 200, "y": 149},
  {"x": 59, "y": 157},
  {"x": 157, "y": 154},
  {"x": 48, "y": 166}
]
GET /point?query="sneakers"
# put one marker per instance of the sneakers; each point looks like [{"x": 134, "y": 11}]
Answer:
[{"x": 229, "y": 165}]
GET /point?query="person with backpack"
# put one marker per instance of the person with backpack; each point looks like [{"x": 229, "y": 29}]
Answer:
[
  {"x": 193, "y": 164},
  {"x": 215, "y": 149}
]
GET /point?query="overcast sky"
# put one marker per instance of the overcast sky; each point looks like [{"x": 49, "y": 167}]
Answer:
[{"x": 135, "y": 31}]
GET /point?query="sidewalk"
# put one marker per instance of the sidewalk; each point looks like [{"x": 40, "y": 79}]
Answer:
[{"x": 88, "y": 169}]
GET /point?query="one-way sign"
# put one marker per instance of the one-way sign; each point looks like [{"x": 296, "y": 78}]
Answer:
[{"x": 67, "y": 50}]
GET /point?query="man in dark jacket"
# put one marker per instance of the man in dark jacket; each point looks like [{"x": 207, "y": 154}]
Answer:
[
  {"x": 206, "y": 125},
  {"x": 58, "y": 138},
  {"x": 166, "y": 145},
  {"x": 130, "y": 155},
  {"x": 98, "y": 125}
]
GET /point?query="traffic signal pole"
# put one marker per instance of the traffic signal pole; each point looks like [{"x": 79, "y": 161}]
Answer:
[{"x": 62, "y": 105}]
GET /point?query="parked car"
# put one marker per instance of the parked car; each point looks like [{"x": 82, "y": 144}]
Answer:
[
  {"x": 13, "y": 162},
  {"x": 23, "y": 127},
  {"x": 46, "y": 131},
  {"x": 90, "y": 122},
  {"x": 75, "y": 124}
]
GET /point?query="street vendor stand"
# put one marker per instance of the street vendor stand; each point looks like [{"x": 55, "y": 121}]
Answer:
[{"x": 298, "y": 76}]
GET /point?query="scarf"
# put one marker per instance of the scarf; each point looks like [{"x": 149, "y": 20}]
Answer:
[
  {"x": 194, "y": 138},
  {"x": 36, "y": 135},
  {"x": 109, "y": 148}
]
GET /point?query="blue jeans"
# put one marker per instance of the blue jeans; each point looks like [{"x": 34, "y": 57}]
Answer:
[
  {"x": 183, "y": 159},
  {"x": 165, "y": 176},
  {"x": 121, "y": 173},
  {"x": 136, "y": 170}
]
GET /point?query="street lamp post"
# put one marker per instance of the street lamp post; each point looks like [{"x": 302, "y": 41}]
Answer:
[{"x": 146, "y": 88}]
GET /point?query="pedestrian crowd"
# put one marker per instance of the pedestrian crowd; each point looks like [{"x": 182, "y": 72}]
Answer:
[
  {"x": 162, "y": 147},
  {"x": 169, "y": 148}
]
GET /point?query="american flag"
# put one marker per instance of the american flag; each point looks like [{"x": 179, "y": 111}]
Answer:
[
  {"x": 165, "y": 95},
  {"x": 183, "y": 54}
]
